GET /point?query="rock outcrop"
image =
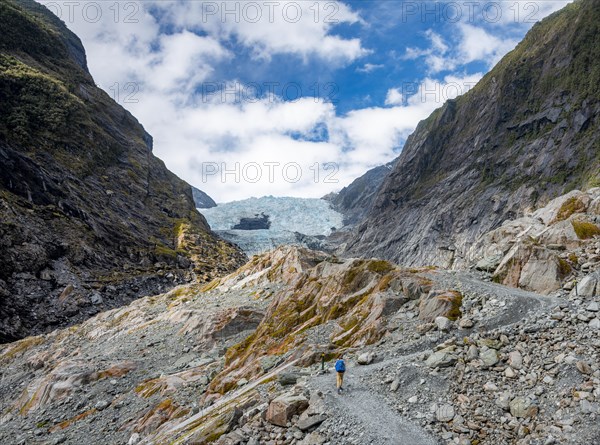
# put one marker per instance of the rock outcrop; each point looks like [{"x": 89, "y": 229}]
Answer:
[
  {"x": 554, "y": 247},
  {"x": 355, "y": 200},
  {"x": 526, "y": 133},
  {"x": 89, "y": 218},
  {"x": 202, "y": 200}
]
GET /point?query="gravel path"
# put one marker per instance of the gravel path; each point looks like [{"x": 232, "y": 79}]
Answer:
[{"x": 364, "y": 416}]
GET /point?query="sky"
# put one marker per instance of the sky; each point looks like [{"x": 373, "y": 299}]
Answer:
[{"x": 289, "y": 98}]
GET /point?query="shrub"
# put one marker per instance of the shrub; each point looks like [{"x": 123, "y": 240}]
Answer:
[
  {"x": 585, "y": 229},
  {"x": 569, "y": 207}
]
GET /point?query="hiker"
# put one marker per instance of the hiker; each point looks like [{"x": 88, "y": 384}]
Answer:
[{"x": 340, "y": 368}]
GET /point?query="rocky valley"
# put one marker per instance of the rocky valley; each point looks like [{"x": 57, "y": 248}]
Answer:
[{"x": 460, "y": 282}]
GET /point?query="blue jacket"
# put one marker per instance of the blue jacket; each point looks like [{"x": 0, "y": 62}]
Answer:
[{"x": 340, "y": 366}]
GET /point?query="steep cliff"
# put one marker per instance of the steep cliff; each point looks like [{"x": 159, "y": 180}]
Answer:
[
  {"x": 528, "y": 132},
  {"x": 89, "y": 218},
  {"x": 356, "y": 200},
  {"x": 202, "y": 200}
]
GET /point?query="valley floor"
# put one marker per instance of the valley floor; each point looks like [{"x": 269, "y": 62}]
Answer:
[{"x": 515, "y": 368}]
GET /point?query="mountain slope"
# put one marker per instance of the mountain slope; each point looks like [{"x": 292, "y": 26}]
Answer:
[
  {"x": 355, "y": 200},
  {"x": 202, "y": 200},
  {"x": 528, "y": 132},
  {"x": 89, "y": 218}
]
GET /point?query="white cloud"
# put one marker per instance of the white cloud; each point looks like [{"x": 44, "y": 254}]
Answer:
[
  {"x": 369, "y": 67},
  {"x": 287, "y": 27},
  {"x": 394, "y": 97},
  {"x": 174, "y": 49},
  {"x": 477, "y": 44}
]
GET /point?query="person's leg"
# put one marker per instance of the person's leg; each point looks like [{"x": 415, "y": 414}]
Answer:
[{"x": 339, "y": 380}]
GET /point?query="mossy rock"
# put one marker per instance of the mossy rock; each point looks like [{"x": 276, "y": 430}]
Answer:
[
  {"x": 569, "y": 207},
  {"x": 585, "y": 230}
]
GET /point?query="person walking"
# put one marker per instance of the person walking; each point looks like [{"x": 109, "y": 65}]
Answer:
[{"x": 340, "y": 368}]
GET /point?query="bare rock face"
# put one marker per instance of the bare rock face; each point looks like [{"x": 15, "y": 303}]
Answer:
[
  {"x": 554, "y": 245},
  {"x": 440, "y": 304},
  {"x": 84, "y": 204},
  {"x": 506, "y": 146},
  {"x": 356, "y": 200}
]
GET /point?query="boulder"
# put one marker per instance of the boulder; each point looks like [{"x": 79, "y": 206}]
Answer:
[
  {"x": 522, "y": 407},
  {"x": 309, "y": 422},
  {"x": 444, "y": 413},
  {"x": 443, "y": 323},
  {"x": 287, "y": 378},
  {"x": 284, "y": 407},
  {"x": 466, "y": 323},
  {"x": 440, "y": 304},
  {"x": 515, "y": 360},
  {"x": 532, "y": 267},
  {"x": 365, "y": 358},
  {"x": 489, "y": 357},
  {"x": 587, "y": 287},
  {"x": 441, "y": 359},
  {"x": 313, "y": 438}
]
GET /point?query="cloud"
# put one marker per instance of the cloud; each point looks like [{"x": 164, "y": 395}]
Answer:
[
  {"x": 173, "y": 49},
  {"x": 473, "y": 44},
  {"x": 477, "y": 44},
  {"x": 394, "y": 97},
  {"x": 270, "y": 28},
  {"x": 369, "y": 67}
]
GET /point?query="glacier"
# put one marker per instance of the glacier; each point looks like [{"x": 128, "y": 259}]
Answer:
[{"x": 295, "y": 221}]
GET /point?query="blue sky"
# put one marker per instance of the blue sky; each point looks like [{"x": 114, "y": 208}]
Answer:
[{"x": 289, "y": 98}]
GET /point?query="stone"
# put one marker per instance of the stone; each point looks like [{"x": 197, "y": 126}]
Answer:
[
  {"x": 438, "y": 303},
  {"x": 287, "y": 378},
  {"x": 583, "y": 367},
  {"x": 503, "y": 401},
  {"x": 413, "y": 399},
  {"x": 134, "y": 439},
  {"x": 515, "y": 360},
  {"x": 594, "y": 323},
  {"x": 472, "y": 353},
  {"x": 510, "y": 373},
  {"x": 587, "y": 407},
  {"x": 522, "y": 407},
  {"x": 284, "y": 407},
  {"x": 242, "y": 382},
  {"x": 489, "y": 357},
  {"x": 593, "y": 307},
  {"x": 101, "y": 405},
  {"x": 395, "y": 385},
  {"x": 96, "y": 298},
  {"x": 586, "y": 287},
  {"x": 489, "y": 264},
  {"x": 466, "y": 323},
  {"x": 548, "y": 380},
  {"x": 365, "y": 358},
  {"x": 269, "y": 362},
  {"x": 185, "y": 359},
  {"x": 443, "y": 323},
  {"x": 309, "y": 422},
  {"x": 444, "y": 413},
  {"x": 313, "y": 438},
  {"x": 490, "y": 386},
  {"x": 441, "y": 359},
  {"x": 316, "y": 404}
]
